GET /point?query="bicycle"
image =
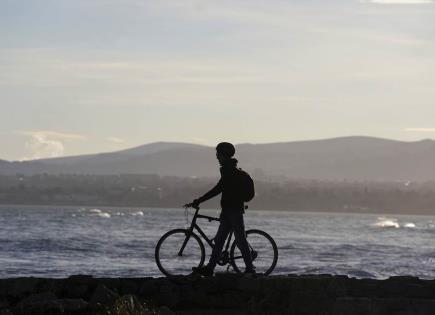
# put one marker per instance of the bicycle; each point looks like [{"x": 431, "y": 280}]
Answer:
[{"x": 179, "y": 250}]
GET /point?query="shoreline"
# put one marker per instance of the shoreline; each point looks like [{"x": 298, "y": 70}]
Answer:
[{"x": 224, "y": 293}]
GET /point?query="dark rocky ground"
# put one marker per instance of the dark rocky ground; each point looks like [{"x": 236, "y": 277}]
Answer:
[{"x": 221, "y": 294}]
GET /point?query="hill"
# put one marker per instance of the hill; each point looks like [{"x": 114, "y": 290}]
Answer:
[{"x": 346, "y": 158}]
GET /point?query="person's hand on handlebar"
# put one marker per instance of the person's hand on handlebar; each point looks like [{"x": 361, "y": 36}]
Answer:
[{"x": 193, "y": 204}]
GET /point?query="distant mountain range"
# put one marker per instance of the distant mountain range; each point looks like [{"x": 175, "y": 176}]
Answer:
[{"x": 346, "y": 158}]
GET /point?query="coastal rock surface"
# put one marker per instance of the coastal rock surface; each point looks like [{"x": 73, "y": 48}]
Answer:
[{"x": 221, "y": 294}]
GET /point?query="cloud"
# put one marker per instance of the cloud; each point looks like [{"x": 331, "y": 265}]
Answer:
[
  {"x": 52, "y": 134},
  {"x": 47, "y": 144},
  {"x": 115, "y": 140},
  {"x": 399, "y": 1},
  {"x": 419, "y": 129}
]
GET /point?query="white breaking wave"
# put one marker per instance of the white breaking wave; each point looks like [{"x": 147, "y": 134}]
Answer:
[
  {"x": 392, "y": 223},
  {"x": 100, "y": 213},
  {"x": 409, "y": 225},
  {"x": 137, "y": 213},
  {"x": 387, "y": 223}
]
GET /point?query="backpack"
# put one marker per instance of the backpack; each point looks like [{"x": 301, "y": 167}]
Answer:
[{"x": 246, "y": 185}]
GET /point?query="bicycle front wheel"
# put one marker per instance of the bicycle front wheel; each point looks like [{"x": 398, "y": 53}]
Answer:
[
  {"x": 264, "y": 252},
  {"x": 178, "y": 251}
]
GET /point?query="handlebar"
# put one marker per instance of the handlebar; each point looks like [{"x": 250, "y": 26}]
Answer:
[{"x": 191, "y": 205}]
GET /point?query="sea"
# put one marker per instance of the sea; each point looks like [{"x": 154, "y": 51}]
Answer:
[{"x": 59, "y": 241}]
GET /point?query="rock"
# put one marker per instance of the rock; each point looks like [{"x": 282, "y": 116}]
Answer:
[
  {"x": 319, "y": 295},
  {"x": 364, "y": 287},
  {"x": 58, "y": 306},
  {"x": 226, "y": 281},
  {"x": 44, "y": 296},
  {"x": 407, "y": 279},
  {"x": 3, "y": 304},
  {"x": 418, "y": 291},
  {"x": 81, "y": 278},
  {"x": 337, "y": 287},
  {"x": 400, "y": 306},
  {"x": 352, "y": 306},
  {"x": 421, "y": 307},
  {"x": 149, "y": 288},
  {"x": 164, "y": 310},
  {"x": 104, "y": 296},
  {"x": 78, "y": 286},
  {"x": 168, "y": 296},
  {"x": 128, "y": 287},
  {"x": 19, "y": 287}
]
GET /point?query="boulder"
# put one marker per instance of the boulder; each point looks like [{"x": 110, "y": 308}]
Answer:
[
  {"x": 164, "y": 310},
  {"x": 3, "y": 304},
  {"x": 58, "y": 306},
  {"x": 18, "y": 287},
  {"x": 39, "y": 297},
  {"x": 78, "y": 286},
  {"x": 103, "y": 296},
  {"x": 149, "y": 288},
  {"x": 352, "y": 305}
]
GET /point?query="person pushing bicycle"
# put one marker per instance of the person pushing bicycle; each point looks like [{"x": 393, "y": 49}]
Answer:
[{"x": 233, "y": 208}]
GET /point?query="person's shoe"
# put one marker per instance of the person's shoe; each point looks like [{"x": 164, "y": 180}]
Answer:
[
  {"x": 203, "y": 270},
  {"x": 250, "y": 271}
]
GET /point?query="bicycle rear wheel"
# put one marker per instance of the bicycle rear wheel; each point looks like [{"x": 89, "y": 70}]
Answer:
[
  {"x": 178, "y": 251},
  {"x": 264, "y": 252}
]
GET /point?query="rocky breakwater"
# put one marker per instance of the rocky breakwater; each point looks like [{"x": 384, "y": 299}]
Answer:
[{"x": 221, "y": 294}]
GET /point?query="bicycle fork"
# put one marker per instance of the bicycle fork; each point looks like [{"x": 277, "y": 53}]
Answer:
[{"x": 180, "y": 252}]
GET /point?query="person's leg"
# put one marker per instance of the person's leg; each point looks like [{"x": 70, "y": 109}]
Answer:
[
  {"x": 219, "y": 240},
  {"x": 238, "y": 226}
]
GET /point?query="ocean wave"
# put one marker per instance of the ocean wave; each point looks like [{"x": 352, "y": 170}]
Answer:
[
  {"x": 387, "y": 223},
  {"x": 99, "y": 213},
  {"x": 384, "y": 222},
  {"x": 52, "y": 243},
  {"x": 409, "y": 225},
  {"x": 140, "y": 213}
]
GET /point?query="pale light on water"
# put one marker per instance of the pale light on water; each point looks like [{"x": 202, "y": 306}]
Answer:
[{"x": 61, "y": 241}]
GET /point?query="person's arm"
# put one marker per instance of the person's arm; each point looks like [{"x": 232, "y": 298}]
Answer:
[{"x": 216, "y": 190}]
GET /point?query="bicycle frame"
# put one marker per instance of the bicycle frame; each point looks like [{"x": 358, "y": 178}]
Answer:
[{"x": 195, "y": 226}]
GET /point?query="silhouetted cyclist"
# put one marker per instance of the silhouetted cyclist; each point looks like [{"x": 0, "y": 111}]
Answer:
[{"x": 233, "y": 208}]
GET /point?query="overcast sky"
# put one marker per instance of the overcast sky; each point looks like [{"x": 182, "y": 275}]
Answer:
[{"x": 88, "y": 76}]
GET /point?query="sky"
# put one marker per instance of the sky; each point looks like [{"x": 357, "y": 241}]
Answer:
[{"x": 88, "y": 76}]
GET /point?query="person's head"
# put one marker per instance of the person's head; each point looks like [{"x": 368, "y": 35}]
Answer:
[{"x": 224, "y": 151}]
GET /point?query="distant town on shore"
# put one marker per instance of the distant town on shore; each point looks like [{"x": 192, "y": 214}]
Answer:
[
  {"x": 168, "y": 191},
  {"x": 347, "y": 174}
]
